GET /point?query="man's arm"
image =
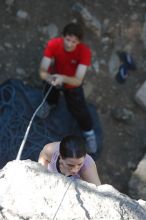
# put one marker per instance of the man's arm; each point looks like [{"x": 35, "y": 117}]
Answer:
[
  {"x": 90, "y": 174},
  {"x": 45, "y": 64},
  {"x": 77, "y": 80}
]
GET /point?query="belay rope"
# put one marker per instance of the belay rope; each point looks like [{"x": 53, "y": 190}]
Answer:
[{"x": 30, "y": 123}]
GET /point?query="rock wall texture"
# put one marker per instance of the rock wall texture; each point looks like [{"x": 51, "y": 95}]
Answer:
[{"x": 28, "y": 191}]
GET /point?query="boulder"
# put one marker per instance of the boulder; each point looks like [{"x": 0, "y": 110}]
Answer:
[{"x": 29, "y": 191}]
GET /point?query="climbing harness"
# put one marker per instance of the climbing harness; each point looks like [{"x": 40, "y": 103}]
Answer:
[{"x": 28, "y": 128}]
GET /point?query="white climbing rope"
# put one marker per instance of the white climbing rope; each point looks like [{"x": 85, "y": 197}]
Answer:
[
  {"x": 62, "y": 199},
  {"x": 28, "y": 128}
]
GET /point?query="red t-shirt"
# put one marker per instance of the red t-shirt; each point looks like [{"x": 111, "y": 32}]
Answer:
[{"x": 67, "y": 62}]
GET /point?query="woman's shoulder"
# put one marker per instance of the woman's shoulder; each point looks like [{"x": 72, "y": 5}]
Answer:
[
  {"x": 50, "y": 148},
  {"x": 88, "y": 159},
  {"x": 88, "y": 162}
]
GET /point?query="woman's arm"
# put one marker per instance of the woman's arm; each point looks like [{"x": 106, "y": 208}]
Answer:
[
  {"x": 44, "y": 158},
  {"x": 46, "y": 154},
  {"x": 90, "y": 174}
]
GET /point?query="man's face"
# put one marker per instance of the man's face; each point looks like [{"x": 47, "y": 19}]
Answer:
[
  {"x": 72, "y": 165},
  {"x": 70, "y": 42}
]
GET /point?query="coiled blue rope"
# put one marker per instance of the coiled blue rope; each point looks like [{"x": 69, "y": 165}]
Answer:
[{"x": 17, "y": 104}]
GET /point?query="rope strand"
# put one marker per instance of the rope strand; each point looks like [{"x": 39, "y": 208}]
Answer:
[
  {"x": 28, "y": 128},
  {"x": 62, "y": 200}
]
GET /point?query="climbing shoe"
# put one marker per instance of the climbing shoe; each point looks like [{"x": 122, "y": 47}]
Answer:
[
  {"x": 127, "y": 60},
  {"x": 91, "y": 142},
  {"x": 122, "y": 74}
]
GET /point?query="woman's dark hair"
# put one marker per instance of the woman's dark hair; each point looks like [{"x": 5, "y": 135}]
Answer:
[
  {"x": 72, "y": 146},
  {"x": 73, "y": 29}
]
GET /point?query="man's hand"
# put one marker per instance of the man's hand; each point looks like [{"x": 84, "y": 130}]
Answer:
[
  {"x": 57, "y": 80},
  {"x": 49, "y": 78}
]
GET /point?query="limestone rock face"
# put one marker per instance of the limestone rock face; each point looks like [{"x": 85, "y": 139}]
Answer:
[{"x": 28, "y": 191}]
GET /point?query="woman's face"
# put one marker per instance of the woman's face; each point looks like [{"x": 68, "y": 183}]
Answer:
[
  {"x": 72, "y": 165},
  {"x": 70, "y": 42}
]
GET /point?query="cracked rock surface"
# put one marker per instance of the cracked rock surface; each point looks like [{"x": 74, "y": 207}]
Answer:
[{"x": 28, "y": 191}]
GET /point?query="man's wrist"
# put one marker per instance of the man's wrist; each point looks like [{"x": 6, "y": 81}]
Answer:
[{"x": 64, "y": 80}]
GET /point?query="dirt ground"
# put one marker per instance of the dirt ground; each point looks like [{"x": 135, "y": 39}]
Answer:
[{"x": 21, "y": 46}]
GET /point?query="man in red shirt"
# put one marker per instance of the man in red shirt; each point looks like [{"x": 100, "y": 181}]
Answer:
[{"x": 70, "y": 58}]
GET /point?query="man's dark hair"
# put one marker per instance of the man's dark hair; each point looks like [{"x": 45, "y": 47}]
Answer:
[
  {"x": 72, "y": 146},
  {"x": 73, "y": 29}
]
